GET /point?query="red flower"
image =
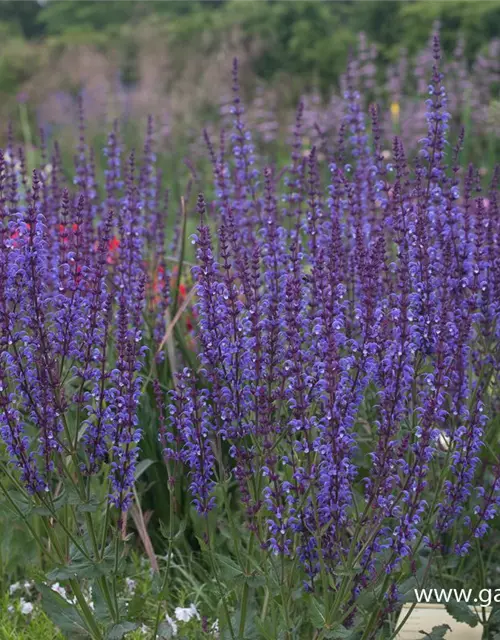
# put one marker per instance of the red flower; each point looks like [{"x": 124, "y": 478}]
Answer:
[{"x": 113, "y": 247}]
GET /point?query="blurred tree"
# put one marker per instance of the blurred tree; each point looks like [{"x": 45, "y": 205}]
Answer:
[
  {"x": 307, "y": 40},
  {"x": 24, "y": 15},
  {"x": 60, "y": 16},
  {"x": 378, "y": 19},
  {"x": 64, "y": 16},
  {"x": 477, "y": 21},
  {"x": 311, "y": 39}
]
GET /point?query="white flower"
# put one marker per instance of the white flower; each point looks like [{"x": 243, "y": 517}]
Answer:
[
  {"x": 14, "y": 587},
  {"x": 144, "y": 630},
  {"x": 89, "y": 600},
  {"x": 26, "y": 607},
  {"x": 10, "y": 608},
  {"x": 215, "y": 627},
  {"x": 131, "y": 585},
  {"x": 172, "y": 623},
  {"x": 185, "y": 614},
  {"x": 62, "y": 592}
]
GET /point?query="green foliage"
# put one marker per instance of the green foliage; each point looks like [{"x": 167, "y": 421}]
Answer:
[
  {"x": 437, "y": 633},
  {"x": 311, "y": 39},
  {"x": 15, "y": 626},
  {"x": 461, "y": 612},
  {"x": 18, "y": 61},
  {"x": 63, "y": 614},
  {"x": 22, "y": 16},
  {"x": 16, "y": 547},
  {"x": 59, "y": 18},
  {"x": 478, "y": 22},
  {"x": 380, "y": 21}
]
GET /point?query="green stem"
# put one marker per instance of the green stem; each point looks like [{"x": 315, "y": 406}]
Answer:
[
  {"x": 115, "y": 574},
  {"x": 216, "y": 575},
  {"x": 482, "y": 582},
  {"x": 103, "y": 583},
  {"x": 265, "y": 605},
  {"x": 396, "y": 631},
  {"x": 244, "y": 597},
  {"x": 162, "y": 594},
  {"x": 375, "y": 615},
  {"x": 85, "y": 610}
]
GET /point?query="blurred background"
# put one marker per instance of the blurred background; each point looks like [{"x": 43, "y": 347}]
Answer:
[{"x": 172, "y": 59}]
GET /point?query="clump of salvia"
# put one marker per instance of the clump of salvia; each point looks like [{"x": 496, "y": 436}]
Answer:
[
  {"x": 348, "y": 329},
  {"x": 74, "y": 290}
]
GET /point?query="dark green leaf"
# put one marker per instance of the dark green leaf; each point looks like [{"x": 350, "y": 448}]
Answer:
[
  {"x": 82, "y": 567},
  {"x": 101, "y": 609},
  {"x": 265, "y": 629},
  {"x": 255, "y": 581},
  {"x": 230, "y": 569},
  {"x": 118, "y": 631},
  {"x": 156, "y": 583},
  {"x": 165, "y": 631},
  {"x": 63, "y": 614},
  {"x": 72, "y": 497},
  {"x": 407, "y": 589},
  {"x": 317, "y": 613},
  {"x": 22, "y": 502},
  {"x": 494, "y": 618},
  {"x": 89, "y": 506},
  {"x": 437, "y": 633},
  {"x": 141, "y": 468},
  {"x": 340, "y": 633},
  {"x": 461, "y": 612},
  {"x": 180, "y": 530}
]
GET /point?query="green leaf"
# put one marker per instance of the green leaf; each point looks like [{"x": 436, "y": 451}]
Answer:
[
  {"x": 180, "y": 530},
  {"x": 317, "y": 612},
  {"x": 156, "y": 583},
  {"x": 165, "y": 631},
  {"x": 265, "y": 629},
  {"x": 437, "y": 633},
  {"x": 62, "y": 499},
  {"x": 141, "y": 468},
  {"x": 461, "y": 612},
  {"x": 22, "y": 502},
  {"x": 494, "y": 618},
  {"x": 80, "y": 570},
  {"x": 255, "y": 581},
  {"x": 72, "y": 497},
  {"x": 41, "y": 511},
  {"x": 230, "y": 569},
  {"x": 101, "y": 609},
  {"x": 407, "y": 589},
  {"x": 90, "y": 506},
  {"x": 82, "y": 567},
  {"x": 340, "y": 633},
  {"x": 367, "y": 599},
  {"x": 347, "y": 572},
  {"x": 118, "y": 631},
  {"x": 63, "y": 614}
]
